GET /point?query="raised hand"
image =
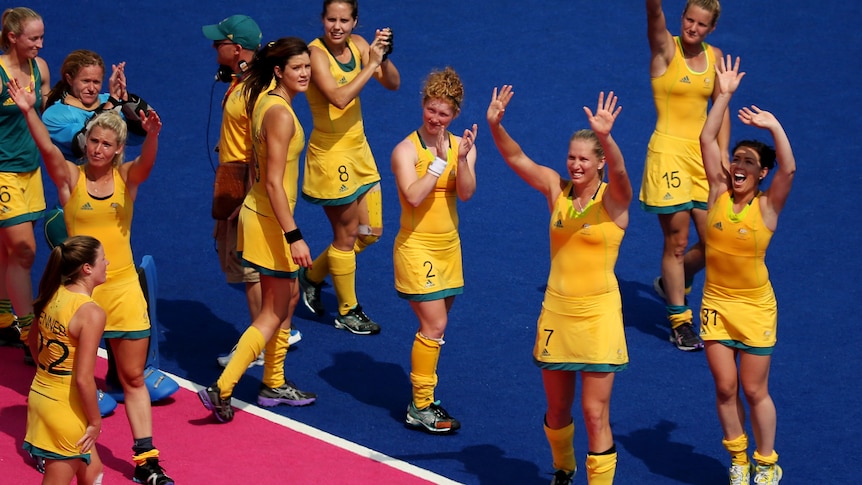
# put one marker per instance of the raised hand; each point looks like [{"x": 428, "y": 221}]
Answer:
[
  {"x": 468, "y": 139},
  {"x": 499, "y": 101},
  {"x": 606, "y": 113},
  {"x": 150, "y": 122},
  {"x": 755, "y": 116},
  {"x": 727, "y": 75},
  {"x": 25, "y": 99}
]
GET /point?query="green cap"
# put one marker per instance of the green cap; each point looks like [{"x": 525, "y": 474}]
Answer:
[{"x": 239, "y": 29}]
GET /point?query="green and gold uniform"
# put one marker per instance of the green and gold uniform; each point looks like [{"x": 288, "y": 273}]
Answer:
[
  {"x": 581, "y": 324},
  {"x": 739, "y": 304},
  {"x": 339, "y": 166},
  {"x": 674, "y": 178},
  {"x": 261, "y": 241},
  {"x": 55, "y": 415},
  {"x": 109, "y": 219},
  {"x": 427, "y": 251}
]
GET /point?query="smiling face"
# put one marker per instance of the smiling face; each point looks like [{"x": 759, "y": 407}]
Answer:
[
  {"x": 437, "y": 114},
  {"x": 746, "y": 171},
  {"x": 583, "y": 162},
  {"x": 339, "y": 20},
  {"x": 29, "y": 42},
  {"x": 86, "y": 84}
]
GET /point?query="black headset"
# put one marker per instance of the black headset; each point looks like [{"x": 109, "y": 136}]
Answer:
[{"x": 225, "y": 74}]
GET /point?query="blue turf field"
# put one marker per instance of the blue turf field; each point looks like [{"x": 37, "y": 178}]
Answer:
[{"x": 801, "y": 59}]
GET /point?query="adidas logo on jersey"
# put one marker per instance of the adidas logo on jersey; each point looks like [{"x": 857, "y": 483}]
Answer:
[
  {"x": 86, "y": 207},
  {"x": 685, "y": 80},
  {"x": 667, "y": 196},
  {"x": 343, "y": 188},
  {"x": 428, "y": 284},
  {"x": 558, "y": 224},
  {"x": 342, "y": 81},
  {"x": 545, "y": 353},
  {"x": 717, "y": 225}
]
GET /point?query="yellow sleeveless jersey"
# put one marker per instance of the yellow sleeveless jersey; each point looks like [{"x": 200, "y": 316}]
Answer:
[
  {"x": 736, "y": 245},
  {"x": 584, "y": 247},
  {"x": 257, "y": 198},
  {"x": 438, "y": 213},
  {"x": 107, "y": 219},
  {"x": 681, "y": 95}
]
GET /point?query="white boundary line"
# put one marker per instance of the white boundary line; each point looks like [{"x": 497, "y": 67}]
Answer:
[{"x": 320, "y": 434}]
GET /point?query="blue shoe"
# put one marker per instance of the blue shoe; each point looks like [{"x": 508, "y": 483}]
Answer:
[
  {"x": 159, "y": 384},
  {"x": 107, "y": 404}
]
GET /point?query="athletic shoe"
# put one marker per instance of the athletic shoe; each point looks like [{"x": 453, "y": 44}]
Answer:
[
  {"x": 356, "y": 321},
  {"x": 151, "y": 473},
  {"x": 562, "y": 477},
  {"x": 740, "y": 474},
  {"x": 10, "y": 336},
  {"x": 432, "y": 418},
  {"x": 768, "y": 474},
  {"x": 224, "y": 360},
  {"x": 310, "y": 293},
  {"x": 658, "y": 286},
  {"x": 295, "y": 336},
  {"x": 685, "y": 338},
  {"x": 211, "y": 400},
  {"x": 288, "y": 394}
]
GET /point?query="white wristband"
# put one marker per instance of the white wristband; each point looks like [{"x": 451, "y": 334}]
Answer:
[{"x": 437, "y": 166}]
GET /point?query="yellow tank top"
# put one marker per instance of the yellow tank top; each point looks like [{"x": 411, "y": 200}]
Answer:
[
  {"x": 257, "y": 198},
  {"x": 109, "y": 220},
  {"x": 331, "y": 124},
  {"x": 56, "y": 359},
  {"x": 681, "y": 95},
  {"x": 736, "y": 245},
  {"x": 438, "y": 213},
  {"x": 584, "y": 247}
]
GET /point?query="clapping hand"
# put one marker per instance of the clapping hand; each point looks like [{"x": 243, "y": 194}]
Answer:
[
  {"x": 468, "y": 139},
  {"x": 499, "y": 101},
  {"x": 117, "y": 82},
  {"x": 606, "y": 113}
]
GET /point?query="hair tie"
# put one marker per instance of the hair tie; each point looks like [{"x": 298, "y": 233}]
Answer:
[{"x": 61, "y": 246}]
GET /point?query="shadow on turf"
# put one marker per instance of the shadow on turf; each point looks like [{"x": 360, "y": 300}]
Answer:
[{"x": 677, "y": 461}]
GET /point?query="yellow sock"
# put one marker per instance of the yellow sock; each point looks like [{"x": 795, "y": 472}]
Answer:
[
  {"x": 680, "y": 318},
  {"x": 247, "y": 350},
  {"x": 142, "y": 458},
  {"x": 273, "y": 359},
  {"x": 562, "y": 447},
  {"x": 24, "y": 323},
  {"x": 766, "y": 460},
  {"x": 423, "y": 373},
  {"x": 7, "y": 318},
  {"x": 342, "y": 267},
  {"x": 601, "y": 468},
  {"x": 738, "y": 449}
]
